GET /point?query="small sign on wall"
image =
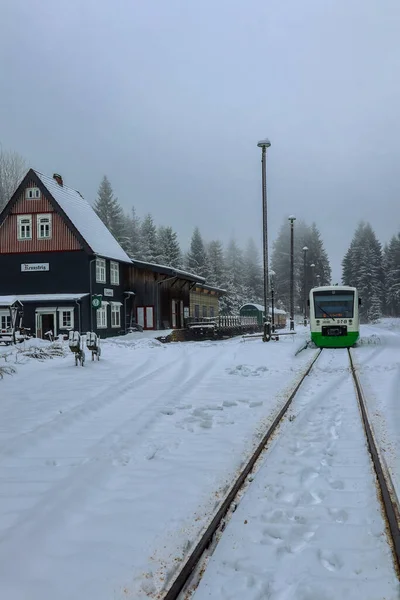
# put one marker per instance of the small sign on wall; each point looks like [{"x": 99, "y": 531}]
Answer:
[
  {"x": 35, "y": 267},
  {"x": 108, "y": 292}
]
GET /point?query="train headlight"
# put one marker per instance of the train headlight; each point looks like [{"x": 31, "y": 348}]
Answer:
[
  {"x": 350, "y": 322},
  {"x": 318, "y": 322}
]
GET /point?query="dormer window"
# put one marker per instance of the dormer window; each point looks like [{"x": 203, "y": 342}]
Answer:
[{"x": 32, "y": 193}]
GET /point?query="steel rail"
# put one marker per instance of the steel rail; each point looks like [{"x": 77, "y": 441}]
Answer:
[
  {"x": 388, "y": 496},
  {"x": 193, "y": 559}
]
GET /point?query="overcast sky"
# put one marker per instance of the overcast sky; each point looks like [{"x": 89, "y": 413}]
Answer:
[{"x": 169, "y": 98}]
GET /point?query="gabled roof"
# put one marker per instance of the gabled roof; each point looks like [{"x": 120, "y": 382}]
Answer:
[
  {"x": 78, "y": 214},
  {"x": 86, "y": 221}
]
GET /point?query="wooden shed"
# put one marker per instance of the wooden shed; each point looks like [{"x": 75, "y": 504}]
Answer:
[{"x": 161, "y": 298}]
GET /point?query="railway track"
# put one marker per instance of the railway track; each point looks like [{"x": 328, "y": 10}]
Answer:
[{"x": 190, "y": 574}]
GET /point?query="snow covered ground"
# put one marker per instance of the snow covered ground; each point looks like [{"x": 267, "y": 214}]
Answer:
[
  {"x": 108, "y": 473},
  {"x": 310, "y": 525},
  {"x": 378, "y": 361}
]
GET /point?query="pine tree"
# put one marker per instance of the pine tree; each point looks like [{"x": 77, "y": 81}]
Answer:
[
  {"x": 168, "y": 249},
  {"x": 216, "y": 264},
  {"x": 280, "y": 264},
  {"x": 234, "y": 269},
  {"x": 304, "y": 236},
  {"x": 109, "y": 210},
  {"x": 375, "y": 310},
  {"x": 363, "y": 268},
  {"x": 148, "y": 238},
  {"x": 12, "y": 170},
  {"x": 196, "y": 259},
  {"x": 253, "y": 273},
  {"x": 132, "y": 224},
  {"x": 391, "y": 266}
]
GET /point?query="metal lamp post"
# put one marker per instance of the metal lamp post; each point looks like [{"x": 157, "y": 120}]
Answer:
[
  {"x": 264, "y": 144},
  {"x": 305, "y": 285},
  {"x": 312, "y": 274},
  {"x": 318, "y": 278},
  {"x": 272, "y": 282},
  {"x": 292, "y": 220}
]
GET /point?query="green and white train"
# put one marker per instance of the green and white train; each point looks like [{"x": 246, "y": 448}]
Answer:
[{"x": 334, "y": 316}]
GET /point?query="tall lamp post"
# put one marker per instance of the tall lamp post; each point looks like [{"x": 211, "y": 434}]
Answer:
[
  {"x": 292, "y": 220},
  {"x": 272, "y": 282},
  {"x": 312, "y": 274},
  {"x": 318, "y": 278},
  {"x": 305, "y": 285},
  {"x": 264, "y": 144}
]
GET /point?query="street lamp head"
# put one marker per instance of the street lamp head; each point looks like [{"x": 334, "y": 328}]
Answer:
[
  {"x": 305, "y": 248},
  {"x": 264, "y": 143},
  {"x": 312, "y": 265},
  {"x": 291, "y": 218}
]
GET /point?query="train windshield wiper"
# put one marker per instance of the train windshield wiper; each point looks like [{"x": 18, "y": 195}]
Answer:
[{"x": 325, "y": 312}]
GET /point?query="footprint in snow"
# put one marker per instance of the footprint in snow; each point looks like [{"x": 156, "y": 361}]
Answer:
[
  {"x": 167, "y": 411},
  {"x": 338, "y": 515},
  {"x": 330, "y": 560},
  {"x": 337, "y": 485}
]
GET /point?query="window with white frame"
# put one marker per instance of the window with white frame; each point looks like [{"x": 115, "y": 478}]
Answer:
[
  {"x": 100, "y": 270},
  {"x": 66, "y": 318},
  {"x": 115, "y": 314},
  {"x": 24, "y": 224},
  {"x": 32, "y": 193},
  {"x": 101, "y": 314},
  {"x": 5, "y": 320},
  {"x": 114, "y": 273},
  {"x": 44, "y": 227}
]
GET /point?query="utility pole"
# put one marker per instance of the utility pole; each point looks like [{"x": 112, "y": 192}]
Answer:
[
  {"x": 292, "y": 220},
  {"x": 272, "y": 274}
]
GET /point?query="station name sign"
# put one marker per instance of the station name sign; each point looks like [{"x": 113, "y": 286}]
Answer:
[{"x": 35, "y": 267}]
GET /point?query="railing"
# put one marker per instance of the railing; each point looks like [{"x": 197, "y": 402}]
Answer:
[{"x": 221, "y": 322}]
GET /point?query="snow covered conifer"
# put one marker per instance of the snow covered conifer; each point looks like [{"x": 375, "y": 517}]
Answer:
[
  {"x": 253, "y": 273},
  {"x": 216, "y": 264},
  {"x": 197, "y": 256},
  {"x": 133, "y": 234},
  {"x": 109, "y": 210},
  {"x": 148, "y": 239},
  {"x": 168, "y": 249},
  {"x": 363, "y": 268},
  {"x": 391, "y": 267}
]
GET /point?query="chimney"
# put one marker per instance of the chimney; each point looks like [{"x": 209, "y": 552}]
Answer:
[{"x": 58, "y": 178}]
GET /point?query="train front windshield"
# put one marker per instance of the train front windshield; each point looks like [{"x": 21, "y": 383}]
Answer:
[{"x": 335, "y": 304}]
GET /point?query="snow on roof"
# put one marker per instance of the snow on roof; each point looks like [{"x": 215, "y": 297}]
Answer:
[
  {"x": 82, "y": 215},
  {"x": 206, "y": 286},
  {"x": 8, "y": 300},
  {"x": 259, "y": 307},
  {"x": 168, "y": 270}
]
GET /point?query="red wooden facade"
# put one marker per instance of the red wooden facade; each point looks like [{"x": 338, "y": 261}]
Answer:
[{"x": 62, "y": 238}]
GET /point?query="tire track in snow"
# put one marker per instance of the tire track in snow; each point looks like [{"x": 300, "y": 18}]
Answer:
[
  {"x": 58, "y": 500},
  {"x": 67, "y": 418}
]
